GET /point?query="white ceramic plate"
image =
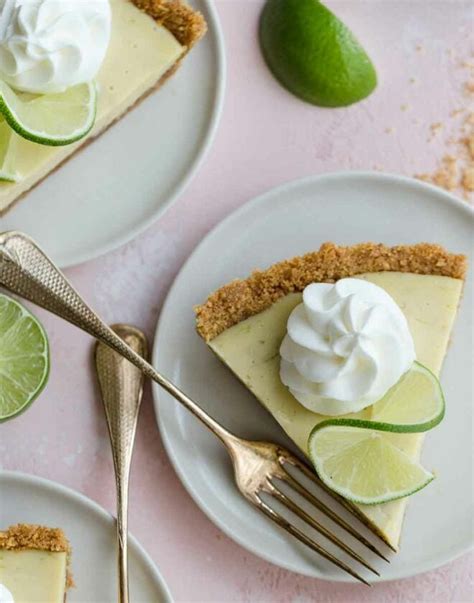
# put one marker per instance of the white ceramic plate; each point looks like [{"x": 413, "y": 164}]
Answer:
[
  {"x": 91, "y": 531},
  {"x": 116, "y": 187},
  {"x": 345, "y": 208}
]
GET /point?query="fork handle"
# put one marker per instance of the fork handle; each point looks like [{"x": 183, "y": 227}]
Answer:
[
  {"x": 27, "y": 271},
  {"x": 107, "y": 336}
]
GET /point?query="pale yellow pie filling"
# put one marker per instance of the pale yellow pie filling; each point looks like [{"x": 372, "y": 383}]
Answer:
[
  {"x": 34, "y": 576},
  {"x": 251, "y": 350},
  {"x": 140, "y": 52}
]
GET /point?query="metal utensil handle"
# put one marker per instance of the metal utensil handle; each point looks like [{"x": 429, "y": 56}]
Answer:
[
  {"x": 109, "y": 338},
  {"x": 121, "y": 385},
  {"x": 28, "y": 272}
]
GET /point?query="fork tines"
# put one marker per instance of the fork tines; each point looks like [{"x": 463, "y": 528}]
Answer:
[{"x": 277, "y": 493}]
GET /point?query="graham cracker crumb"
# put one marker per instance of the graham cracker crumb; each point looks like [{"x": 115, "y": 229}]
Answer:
[
  {"x": 469, "y": 87},
  {"x": 446, "y": 176},
  {"x": 240, "y": 299},
  {"x": 470, "y": 119},
  {"x": 454, "y": 172},
  {"x": 468, "y": 179}
]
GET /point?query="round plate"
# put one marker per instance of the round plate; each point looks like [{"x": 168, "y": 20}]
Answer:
[
  {"x": 91, "y": 532},
  {"x": 116, "y": 187},
  {"x": 345, "y": 208}
]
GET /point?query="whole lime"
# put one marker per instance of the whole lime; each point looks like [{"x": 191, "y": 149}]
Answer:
[{"x": 313, "y": 54}]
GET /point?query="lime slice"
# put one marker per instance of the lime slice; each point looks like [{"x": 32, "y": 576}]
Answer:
[
  {"x": 24, "y": 358},
  {"x": 364, "y": 466},
  {"x": 50, "y": 119},
  {"x": 313, "y": 54},
  {"x": 7, "y": 153},
  {"x": 356, "y": 457},
  {"x": 414, "y": 404}
]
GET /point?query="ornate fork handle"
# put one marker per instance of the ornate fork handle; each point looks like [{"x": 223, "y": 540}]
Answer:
[{"x": 28, "y": 272}]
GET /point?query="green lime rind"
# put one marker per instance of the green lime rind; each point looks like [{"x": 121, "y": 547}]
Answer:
[
  {"x": 53, "y": 109},
  {"x": 24, "y": 358},
  {"x": 8, "y": 177},
  {"x": 313, "y": 54},
  {"x": 420, "y": 476}
]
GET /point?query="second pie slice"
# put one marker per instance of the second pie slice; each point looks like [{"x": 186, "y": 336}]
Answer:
[{"x": 149, "y": 39}]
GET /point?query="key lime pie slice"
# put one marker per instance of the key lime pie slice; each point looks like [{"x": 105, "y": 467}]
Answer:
[
  {"x": 126, "y": 48},
  {"x": 338, "y": 348},
  {"x": 34, "y": 562}
]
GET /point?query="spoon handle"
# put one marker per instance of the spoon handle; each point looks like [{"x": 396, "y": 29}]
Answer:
[{"x": 121, "y": 385}]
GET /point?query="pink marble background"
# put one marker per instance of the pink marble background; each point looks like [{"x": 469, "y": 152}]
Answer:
[{"x": 265, "y": 137}]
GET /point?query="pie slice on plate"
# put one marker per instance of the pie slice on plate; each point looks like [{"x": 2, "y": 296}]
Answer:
[
  {"x": 149, "y": 39},
  {"x": 245, "y": 321},
  {"x": 34, "y": 564}
]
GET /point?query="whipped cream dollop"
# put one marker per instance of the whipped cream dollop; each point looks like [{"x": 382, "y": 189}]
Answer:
[
  {"x": 347, "y": 344},
  {"x": 5, "y": 595},
  {"x": 49, "y": 45}
]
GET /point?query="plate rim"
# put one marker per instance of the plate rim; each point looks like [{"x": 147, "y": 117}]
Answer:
[
  {"x": 388, "y": 177},
  {"x": 214, "y": 27},
  {"x": 29, "y": 478}
]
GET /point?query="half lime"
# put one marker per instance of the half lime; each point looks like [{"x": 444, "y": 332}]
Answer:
[{"x": 24, "y": 358}]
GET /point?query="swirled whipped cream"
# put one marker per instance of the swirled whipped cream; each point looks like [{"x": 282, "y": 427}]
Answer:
[
  {"x": 5, "y": 595},
  {"x": 346, "y": 345},
  {"x": 49, "y": 45}
]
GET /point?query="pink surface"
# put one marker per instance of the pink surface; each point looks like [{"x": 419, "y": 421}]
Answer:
[{"x": 266, "y": 137}]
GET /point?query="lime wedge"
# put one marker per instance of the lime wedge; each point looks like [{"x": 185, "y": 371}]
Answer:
[
  {"x": 50, "y": 119},
  {"x": 7, "y": 153},
  {"x": 24, "y": 358},
  {"x": 364, "y": 466},
  {"x": 313, "y": 54}
]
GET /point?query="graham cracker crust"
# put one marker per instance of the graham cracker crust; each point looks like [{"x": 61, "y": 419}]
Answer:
[
  {"x": 29, "y": 536},
  {"x": 240, "y": 299},
  {"x": 187, "y": 26}
]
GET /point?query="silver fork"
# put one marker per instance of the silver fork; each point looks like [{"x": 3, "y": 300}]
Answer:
[{"x": 259, "y": 466}]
